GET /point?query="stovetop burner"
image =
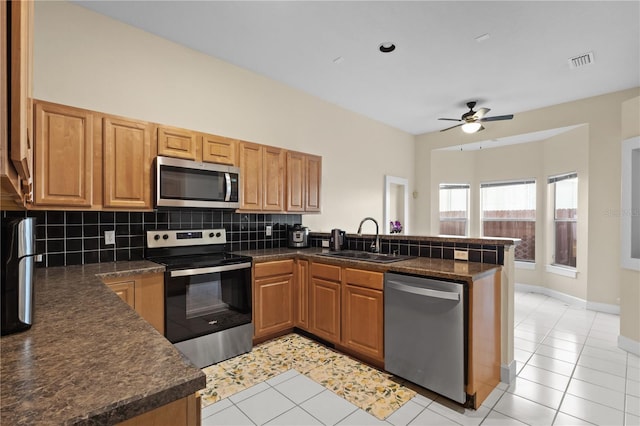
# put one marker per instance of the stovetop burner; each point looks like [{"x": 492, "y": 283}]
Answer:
[{"x": 190, "y": 248}]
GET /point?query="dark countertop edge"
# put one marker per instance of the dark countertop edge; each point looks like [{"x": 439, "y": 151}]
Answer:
[
  {"x": 494, "y": 241},
  {"x": 134, "y": 404},
  {"x": 127, "y": 409},
  {"x": 267, "y": 255}
]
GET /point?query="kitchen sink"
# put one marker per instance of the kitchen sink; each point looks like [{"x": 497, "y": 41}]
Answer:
[{"x": 366, "y": 256}]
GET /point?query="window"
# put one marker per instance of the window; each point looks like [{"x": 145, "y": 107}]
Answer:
[
  {"x": 509, "y": 210},
  {"x": 454, "y": 209},
  {"x": 565, "y": 214}
]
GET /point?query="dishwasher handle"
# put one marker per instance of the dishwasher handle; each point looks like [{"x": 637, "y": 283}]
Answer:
[{"x": 421, "y": 291}]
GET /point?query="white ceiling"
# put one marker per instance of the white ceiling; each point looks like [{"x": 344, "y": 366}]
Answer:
[{"x": 437, "y": 66}]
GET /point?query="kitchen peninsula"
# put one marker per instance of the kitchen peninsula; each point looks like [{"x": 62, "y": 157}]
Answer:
[{"x": 90, "y": 359}]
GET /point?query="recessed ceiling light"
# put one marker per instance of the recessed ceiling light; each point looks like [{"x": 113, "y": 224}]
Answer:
[{"x": 387, "y": 47}]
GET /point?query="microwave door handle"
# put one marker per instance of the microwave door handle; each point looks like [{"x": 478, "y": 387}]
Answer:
[{"x": 227, "y": 178}]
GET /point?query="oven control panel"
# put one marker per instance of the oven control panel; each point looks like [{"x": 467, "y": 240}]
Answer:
[{"x": 185, "y": 237}]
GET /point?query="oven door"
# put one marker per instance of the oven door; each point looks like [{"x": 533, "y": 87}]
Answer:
[
  {"x": 201, "y": 301},
  {"x": 185, "y": 183}
]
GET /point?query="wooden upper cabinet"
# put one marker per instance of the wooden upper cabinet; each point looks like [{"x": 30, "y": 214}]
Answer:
[
  {"x": 20, "y": 14},
  {"x": 128, "y": 155},
  {"x": 262, "y": 177},
  {"x": 250, "y": 175},
  {"x": 304, "y": 177},
  {"x": 64, "y": 156},
  {"x": 218, "y": 149},
  {"x": 313, "y": 171},
  {"x": 178, "y": 143},
  {"x": 273, "y": 179},
  {"x": 296, "y": 181}
]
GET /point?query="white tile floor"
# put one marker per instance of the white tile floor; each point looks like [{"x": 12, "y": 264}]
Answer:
[{"x": 570, "y": 372}]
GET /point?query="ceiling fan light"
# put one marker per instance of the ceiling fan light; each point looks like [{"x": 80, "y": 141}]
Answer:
[{"x": 471, "y": 127}]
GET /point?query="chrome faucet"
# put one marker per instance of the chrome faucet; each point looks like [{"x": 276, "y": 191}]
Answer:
[{"x": 375, "y": 246}]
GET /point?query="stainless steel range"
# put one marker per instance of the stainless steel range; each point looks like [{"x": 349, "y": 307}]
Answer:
[{"x": 207, "y": 293}]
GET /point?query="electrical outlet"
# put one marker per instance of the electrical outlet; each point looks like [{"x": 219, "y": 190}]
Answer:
[
  {"x": 267, "y": 230},
  {"x": 325, "y": 243},
  {"x": 109, "y": 238},
  {"x": 461, "y": 255}
]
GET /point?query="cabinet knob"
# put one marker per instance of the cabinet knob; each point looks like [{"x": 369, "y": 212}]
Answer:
[
  {"x": 210, "y": 234},
  {"x": 218, "y": 234},
  {"x": 156, "y": 237},
  {"x": 165, "y": 237}
]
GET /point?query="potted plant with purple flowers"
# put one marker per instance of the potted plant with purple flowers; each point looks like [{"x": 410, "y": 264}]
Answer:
[{"x": 396, "y": 227}]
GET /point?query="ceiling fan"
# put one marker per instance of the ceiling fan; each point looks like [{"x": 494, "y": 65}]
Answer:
[{"x": 471, "y": 120}]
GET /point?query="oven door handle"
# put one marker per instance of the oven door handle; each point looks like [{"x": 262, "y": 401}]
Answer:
[{"x": 210, "y": 270}]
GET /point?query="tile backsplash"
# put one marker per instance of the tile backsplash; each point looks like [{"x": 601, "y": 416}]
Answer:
[{"x": 77, "y": 237}]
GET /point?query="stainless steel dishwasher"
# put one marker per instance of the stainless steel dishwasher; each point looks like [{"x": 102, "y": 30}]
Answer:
[{"x": 424, "y": 333}]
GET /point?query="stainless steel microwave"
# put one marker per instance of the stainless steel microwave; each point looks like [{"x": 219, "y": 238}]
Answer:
[{"x": 186, "y": 183}]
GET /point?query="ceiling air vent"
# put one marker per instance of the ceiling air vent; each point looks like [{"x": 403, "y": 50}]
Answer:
[{"x": 581, "y": 60}]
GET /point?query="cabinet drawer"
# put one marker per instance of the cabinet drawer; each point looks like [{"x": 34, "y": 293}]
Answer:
[
  {"x": 328, "y": 272},
  {"x": 362, "y": 278},
  {"x": 280, "y": 267}
]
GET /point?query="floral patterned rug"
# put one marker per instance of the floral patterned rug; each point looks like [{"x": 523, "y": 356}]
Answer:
[{"x": 366, "y": 387}]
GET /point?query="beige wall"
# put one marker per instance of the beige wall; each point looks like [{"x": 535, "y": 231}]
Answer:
[
  {"x": 88, "y": 60},
  {"x": 630, "y": 280},
  {"x": 567, "y": 152},
  {"x": 607, "y": 283}
]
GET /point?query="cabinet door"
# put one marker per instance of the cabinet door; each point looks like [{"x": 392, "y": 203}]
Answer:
[
  {"x": 125, "y": 290},
  {"x": 64, "y": 150},
  {"x": 296, "y": 187},
  {"x": 313, "y": 170},
  {"x": 218, "y": 149},
  {"x": 301, "y": 295},
  {"x": 272, "y": 309},
  {"x": 127, "y": 163},
  {"x": 250, "y": 176},
  {"x": 325, "y": 309},
  {"x": 21, "y": 42},
  {"x": 362, "y": 321},
  {"x": 150, "y": 299},
  {"x": 178, "y": 143},
  {"x": 273, "y": 178}
]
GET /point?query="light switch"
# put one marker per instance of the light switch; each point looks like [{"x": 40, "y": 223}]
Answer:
[{"x": 267, "y": 230}]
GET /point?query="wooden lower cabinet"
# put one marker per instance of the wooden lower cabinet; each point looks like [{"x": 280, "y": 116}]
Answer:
[
  {"x": 301, "y": 294},
  {"x": 182, "y": 412},
  {"x": 273, "y": 296},
  {"x": 144, "y": 293},
  {"x": 362, "y": 313},
  {"x": 324, "y": 301}
]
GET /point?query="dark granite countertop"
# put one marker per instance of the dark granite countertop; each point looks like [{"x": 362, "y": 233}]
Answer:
[
  {"x": 89, "y": 358},
  {"x": 437, "y": 268}
]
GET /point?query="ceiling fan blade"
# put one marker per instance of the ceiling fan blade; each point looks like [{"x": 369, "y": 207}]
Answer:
[
  {"x": 450, "y": 119},
  {"x": 452, "y": 127},
  {"x": 497, "y": 118},
  {"x": 481, "y": 113}
]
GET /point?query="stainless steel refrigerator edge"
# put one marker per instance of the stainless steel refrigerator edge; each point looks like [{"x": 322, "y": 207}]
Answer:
[
  {"x": 18, "y": 256},
  {"x": 424, "y": 333}
]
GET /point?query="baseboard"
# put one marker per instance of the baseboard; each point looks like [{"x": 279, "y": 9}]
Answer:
[
  {"x": 607, "y": 308},
  {"x": 571, "y": 300},
  {"x": 629, "y": 345},
  {"x": 508, "y": 372}
]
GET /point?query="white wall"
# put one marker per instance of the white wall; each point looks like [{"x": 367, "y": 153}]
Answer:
[{"x": 90, "y": 61}]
